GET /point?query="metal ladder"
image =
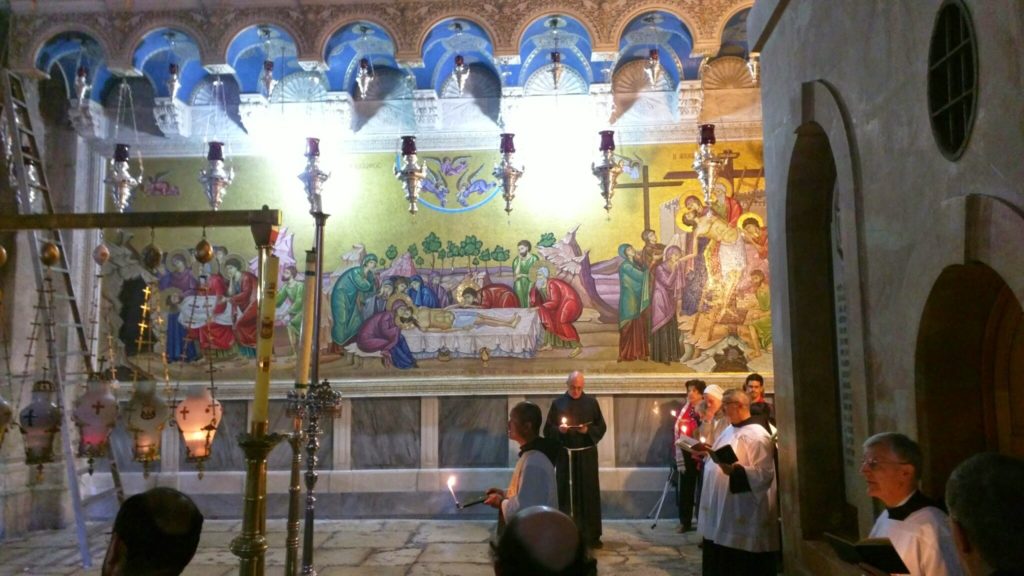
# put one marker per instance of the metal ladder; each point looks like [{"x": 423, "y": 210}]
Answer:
[{"x": 33, "y": 194}]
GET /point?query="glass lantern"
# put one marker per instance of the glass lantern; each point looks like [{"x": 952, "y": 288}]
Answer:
[
  {"x": 95, "y": 415},
  {"x": 198, "y": 416},
  {"x": 145, "y": 417},
  {"x": 40, "y": 422}
]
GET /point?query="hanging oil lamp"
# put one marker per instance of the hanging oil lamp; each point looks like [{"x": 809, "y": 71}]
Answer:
[
  {"x": 145, "y": 417},
  {"x": 653, "y": 67},
  {"x": 120, "y": 179},
  {"x": 313, "y": 177},
  {"x": 198, "y": 416},
  {"x": 216, "y": 177},
  {"x": 40, "y": 422},
  {"x": 705, "y": 162},
  {"x": 461, "y": 73},
  {"x": 411, "y": 173},
  {"x": 557, "y": 68},
  {"x": 95, "y": 416},
  {"x": 364, "y": 77},
  {"x": 507, "y": 174},
  {"x": 608, "y": 169}
]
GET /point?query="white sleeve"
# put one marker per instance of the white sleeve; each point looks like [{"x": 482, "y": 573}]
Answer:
[
  {"x": 533, "y": 490},
  {"x": 759, "y": 463},
  {"x": 936, "y": 554}
]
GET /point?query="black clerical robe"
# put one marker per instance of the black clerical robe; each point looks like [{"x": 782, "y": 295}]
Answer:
[{"x": 585, "y": 506}]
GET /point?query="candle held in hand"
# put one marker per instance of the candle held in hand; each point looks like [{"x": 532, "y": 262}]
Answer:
[{"x": 451, "y": 488}]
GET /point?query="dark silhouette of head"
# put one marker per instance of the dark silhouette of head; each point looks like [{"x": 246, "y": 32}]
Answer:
[
  {"x": 985, "y": 498},
  {"x": 541, "y": 541},
  {"x": 155, "y": 534}
]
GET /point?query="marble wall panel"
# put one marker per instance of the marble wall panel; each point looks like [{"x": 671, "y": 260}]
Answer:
[
  {"x": 643, "y": 430},
  {"x": 281, "y": 456},
  {"x": 225, "y": 455},
  {"x": 121, "y": 447},
  {"x": 544, "y": 402},
  {"x": 473, "y": 432},
  {"x": 385, "y": 433}
]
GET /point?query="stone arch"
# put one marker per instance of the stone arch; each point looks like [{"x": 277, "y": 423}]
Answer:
[
  {"x": 626, "y": 18},
  {"x": 133, "y": 41},
  {"x": 545, "y": 12},
  {"x": 720, "y": 26},
  {"x": 337, "y": 24},
  {"x": 28, "y": 58},
  {"x": 255, "y": 19},
  {"x": 816, "y": 238},
  {"x": 492, "y": 34},
  {"x": 970, "y": 340}
]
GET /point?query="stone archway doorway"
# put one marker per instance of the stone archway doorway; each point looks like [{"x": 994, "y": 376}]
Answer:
[{"x": 969, "y": 370}]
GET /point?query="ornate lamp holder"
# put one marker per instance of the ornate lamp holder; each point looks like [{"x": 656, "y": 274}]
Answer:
[
  {"x": 608, "y": 169},
  {"x": 316, "y": 402},
  {"x": 364, "y": 77},
  {"x": 267, "y": 80},
  {"x": 411, "y": 173},
  {"x": 313, "y": 177},
  {"x": 173, "y": 80},
  {"x": 754, "y": 67},
  {"x": 653, "y": 67},
  {"x": 40, "y": 422},
  {"x": 120, "y": 179},
  {"x": 217, "y": 176},
  {"x": 95, "y": 416},
  {"x": 705, "y": 162},
  {"x": 197, "y": 417},
  {"x": 82, "y": 85},
  {"x": 557, "y": 68},
  {"x": 461, "y": 73},
  {"x": 507, "y": 174}
]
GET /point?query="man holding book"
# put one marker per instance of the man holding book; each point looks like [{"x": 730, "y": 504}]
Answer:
[
  {"x": 738, "y": 516},
  {"x": 916, "y": 525}
]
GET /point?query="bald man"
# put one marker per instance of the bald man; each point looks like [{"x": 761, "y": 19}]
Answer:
[
  {"x": 541, "y": 541},
  {"x": 155, "y": 534},
  {"x": 575, "y": 420}
]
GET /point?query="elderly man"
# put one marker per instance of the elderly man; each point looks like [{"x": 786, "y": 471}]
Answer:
[
  {"x": 916, "y": 525},
  {"x": 575, "y": 420},
  {"x": 155, "y": 534},
  {"x": 985, "y": 501},
  {"x": 541, "y": 541},
  {"x": 738, "y": 516},
  {"x": 533, "y": 479}
]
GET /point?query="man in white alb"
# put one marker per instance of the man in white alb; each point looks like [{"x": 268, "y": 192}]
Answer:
[
  {"x": 916, "y": 525},
  {"x": 738, "y": 517},
  {"x": 533, "y": 479}
]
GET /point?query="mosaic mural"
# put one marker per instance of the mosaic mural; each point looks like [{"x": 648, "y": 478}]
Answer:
[{"x": 664, "y": 282}]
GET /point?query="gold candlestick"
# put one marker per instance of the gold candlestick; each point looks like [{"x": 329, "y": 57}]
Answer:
[{"x": 251, "y": 545}]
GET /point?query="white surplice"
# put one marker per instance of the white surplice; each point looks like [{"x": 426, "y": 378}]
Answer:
[
  {"x": 747, "y": 520},
  {"x": 532, "y": 484},
  {"x": 923, "y": 540}
]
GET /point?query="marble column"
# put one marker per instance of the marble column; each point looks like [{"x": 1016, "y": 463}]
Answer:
[
  {"x": 342, "y": 447},
  {"x": 429, "y": 434},
  {"x": 606, "y": 449}
]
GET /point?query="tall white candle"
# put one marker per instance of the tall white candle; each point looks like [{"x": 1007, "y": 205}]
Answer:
[{"x": 265, "y": 342}]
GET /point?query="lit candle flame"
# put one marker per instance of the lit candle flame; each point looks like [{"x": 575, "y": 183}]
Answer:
[
  {"x": 674, "y": 414},
  {"x": 565, "y": 421},
  {"x": 684, "y": 428},
  {"x": 701, "y": 439},
  {"x": 451, "y": 488}
]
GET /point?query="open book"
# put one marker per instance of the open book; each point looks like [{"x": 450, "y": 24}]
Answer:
[
  {"x": 876, "y": 556},
  {"x": 724, "y": 455}
]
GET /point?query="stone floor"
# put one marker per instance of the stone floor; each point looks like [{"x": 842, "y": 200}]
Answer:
[{"x": 371, "y": 548}]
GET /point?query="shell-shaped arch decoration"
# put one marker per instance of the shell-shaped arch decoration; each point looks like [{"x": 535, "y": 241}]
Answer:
[{"x": 727, "y": 72}]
